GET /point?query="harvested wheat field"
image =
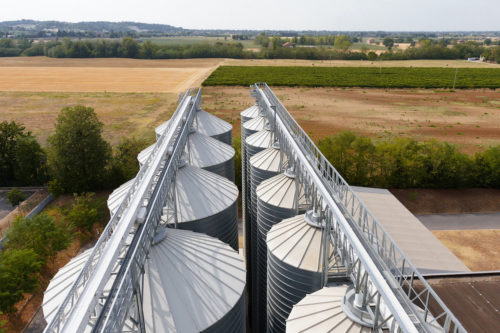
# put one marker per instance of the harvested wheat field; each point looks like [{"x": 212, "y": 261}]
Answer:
[
  {"x": 478, "y": 249},
  {"x": 102, "y": 75},
  {"x": 470, "y": 118}
]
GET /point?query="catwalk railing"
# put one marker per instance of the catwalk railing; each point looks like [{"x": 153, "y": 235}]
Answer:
[
  {"x": 83, "y": 305},
  {"x": 371, "y": 255}
]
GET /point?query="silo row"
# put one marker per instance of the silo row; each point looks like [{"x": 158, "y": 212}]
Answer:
[
  {"x": 193, "y": 282},
  {"x": 285, "y": 256}
]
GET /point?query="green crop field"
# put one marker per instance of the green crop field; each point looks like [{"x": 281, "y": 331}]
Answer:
[{"x": 385, "y": 77}]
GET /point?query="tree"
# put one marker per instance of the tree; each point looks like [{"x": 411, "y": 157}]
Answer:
[
  {"x": 372, "y": 56},
  {"x": 130, "y": 47},
  {"x": 15, "y": 196},
  {"x": 30, "y": 162},
  {"x": 19, "y": 271},
  {"x": 148, "y": 50},
  {"x": 124, "y": 165},
  {"x": 487, "y": 41},
  {"x": 9, "y": 134},
  {"x": 78, "y": 155},
  {"x": 342, "y": 42},
  {"x": 40, "y": 233},
  {"x": 388, "y": 42},
  {"x": 84, "y": 212}
]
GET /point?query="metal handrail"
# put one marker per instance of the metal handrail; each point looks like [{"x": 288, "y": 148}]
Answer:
[
  {"x": 66, "y": 306},
  {"x": 117, "y": 304},
  {"x": 400, "y": 267}
]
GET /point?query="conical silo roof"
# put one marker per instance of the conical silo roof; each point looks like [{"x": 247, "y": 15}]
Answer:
[
  {"x": 206, "y": 153},
  {"x": 116, "y": 197},
  {"x": 206, "y": 202},
  {"x": 207, "y": 124},
  {"x": 61, "y": 283},
  {"x": 213, "y": 126},
  {"x": 192, "y": 283},
  {"x": 144, "y": 154},
  {"x": 249, "y": 113},
  {"x": 321, "y": 311},
  {"x": 277, "y": 199},
  {"x": 253, "y": 126},
  {"x": 294, "y": 268}
]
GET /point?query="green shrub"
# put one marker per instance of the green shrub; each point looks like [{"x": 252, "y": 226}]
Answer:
[
  {"x": 15, "y": 196},
  {"x": 85, "y": 211}
]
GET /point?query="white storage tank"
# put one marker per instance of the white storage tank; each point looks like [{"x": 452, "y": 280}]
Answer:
[
  {"x": 207, "y": 124},
  {"x": 294, "y": 267},
  {"x": 192, "y": 283},
  {"x": 322, "y": 311},
  {"x": 278, "y": 198},
  {"x": 249, "y": 113},
  {"x": 204, "y": 152},
  {"x": 205, "y": 202}
]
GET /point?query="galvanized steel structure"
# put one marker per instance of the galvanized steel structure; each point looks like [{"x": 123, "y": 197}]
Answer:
[{"x": 383, "y": 278}]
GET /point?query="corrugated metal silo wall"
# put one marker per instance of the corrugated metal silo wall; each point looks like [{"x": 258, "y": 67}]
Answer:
[
  {"x": 223, "y": 225},
  {"x": 287, "y": 285},
  {"x": 267, "y": 216},
  {"x": 225, "y": 169},
  {"x": 233, "y": 321},
  {"x": 226, "y": 137}
]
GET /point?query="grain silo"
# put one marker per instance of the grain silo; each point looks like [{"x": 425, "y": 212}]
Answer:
[
  {"x": 322, "y": 311},
  {"x": 204, "y": 152},
  {"x": 192, "y": 283},
  {"x": 278, "y": 198},
  {"x": 207, "y": 124},
  {"x": 206, "y": 203},
  {"x": 116, "y": 197},
  {"x": 294, "y": 266},
  {"x": 249, "y": 113},
  {"x": 253, "y": 126}
]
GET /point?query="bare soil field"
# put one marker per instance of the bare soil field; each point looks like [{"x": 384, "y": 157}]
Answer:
[
  {"x": 123, "y": 114},
  {"x": 449, "y": 201},
  {"x": 469, "y": 118},
  {"x": 479, "y": 250},
  {"x": 359, "y": 63},
  {"x": 102, "y": 75}
]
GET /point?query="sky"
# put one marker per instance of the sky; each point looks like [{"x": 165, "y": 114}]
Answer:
[{"x": 387, "y": 15}]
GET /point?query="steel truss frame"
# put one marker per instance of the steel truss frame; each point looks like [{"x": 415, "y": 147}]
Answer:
[
  {"x": 120, "y": 254},
  {"x": 386, "y": 283}
]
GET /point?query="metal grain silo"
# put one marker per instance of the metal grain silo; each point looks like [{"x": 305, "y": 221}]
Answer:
[
  {"x": 322, "y": 311},
  {"x": 192, "y": 283},
  {"x": 116, "y": 197},
  {"x": 207, "y": 124},
  {"x": 204, "y": 152},
  {"x": 278, "y": 198},
  {"x": 253, "y": 126},
  {"x": 294, "y": 267},
  {"x": 206, "y": 203},
  {"x": 249, "y": 113},
  {"x": 195, "y": 283}
]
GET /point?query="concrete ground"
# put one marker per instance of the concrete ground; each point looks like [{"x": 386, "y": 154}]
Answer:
[{"x": 460, "y": 221}]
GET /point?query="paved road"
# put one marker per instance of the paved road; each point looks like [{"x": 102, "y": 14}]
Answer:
[{"x": 460, "y": 221}]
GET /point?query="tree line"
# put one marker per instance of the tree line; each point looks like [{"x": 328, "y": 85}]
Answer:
[
  {"x": 407, "y": 163},
  {"x": 272, "y": 48}
]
